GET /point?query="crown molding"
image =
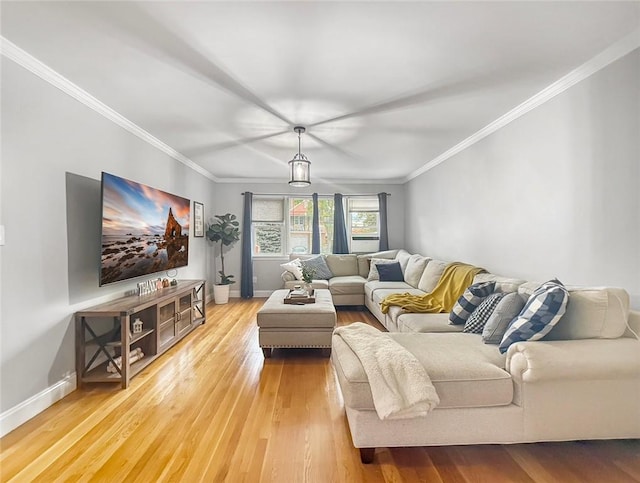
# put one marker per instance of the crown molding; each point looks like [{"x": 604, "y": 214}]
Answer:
[
  {"x": 334, "y": 181},
  {"x": 614, "y": 52},
  {"x": 26, "y": 60}
]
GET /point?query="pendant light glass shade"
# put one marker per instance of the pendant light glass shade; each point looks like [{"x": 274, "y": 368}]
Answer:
[
  {"x": 299, "y": 166},
  {"x": 300, "y": 171}
]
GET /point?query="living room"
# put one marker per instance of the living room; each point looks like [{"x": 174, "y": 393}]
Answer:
[{"x": 540, "y": 182}]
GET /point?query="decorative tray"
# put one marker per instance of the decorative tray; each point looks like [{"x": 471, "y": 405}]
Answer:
[{"x": 300, "y": 299}]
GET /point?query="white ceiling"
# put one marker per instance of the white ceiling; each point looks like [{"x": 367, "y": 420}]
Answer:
[{"x": 383, "y": 87}]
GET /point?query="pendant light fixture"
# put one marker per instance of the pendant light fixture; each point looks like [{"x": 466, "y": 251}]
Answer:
[{"x": 299, "y": 166}]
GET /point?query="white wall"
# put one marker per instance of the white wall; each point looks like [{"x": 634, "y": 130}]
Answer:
[
  {"x": 553, "y": 194},
  {"x": 53, "y": 151},
  {"x": 228, "y": 199}
]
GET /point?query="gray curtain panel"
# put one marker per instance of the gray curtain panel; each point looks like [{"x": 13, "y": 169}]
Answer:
[
  {"x": 340, "y": 242},
  {"x": 384, "y": 234},
  {"x": 246, "y": 272},
  {"x": 315, "y": 231}
]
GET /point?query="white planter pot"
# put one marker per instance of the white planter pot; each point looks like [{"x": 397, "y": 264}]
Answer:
[{"x": 221, "y": 294}]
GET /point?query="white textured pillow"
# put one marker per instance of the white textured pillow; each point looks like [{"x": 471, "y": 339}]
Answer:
[
  {"x": 431, "y": 275},
  {"x": 295, "y": 267},
  {"x": 415, "y": 268},
  {"x": 373, "y": 270}
]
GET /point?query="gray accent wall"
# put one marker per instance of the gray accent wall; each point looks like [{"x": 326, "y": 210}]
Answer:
[
  {"x": 553, "y": 194},
  {"x": 53, "y": 151}
]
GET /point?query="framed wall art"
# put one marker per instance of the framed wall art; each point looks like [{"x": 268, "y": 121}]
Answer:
[{"x": 198, "y": 219}]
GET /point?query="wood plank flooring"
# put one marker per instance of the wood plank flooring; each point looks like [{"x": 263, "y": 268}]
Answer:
[{"x": 212, "y": 409}]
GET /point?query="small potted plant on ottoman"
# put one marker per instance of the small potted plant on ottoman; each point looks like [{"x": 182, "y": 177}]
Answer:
[{"x": 307, "y": 277}]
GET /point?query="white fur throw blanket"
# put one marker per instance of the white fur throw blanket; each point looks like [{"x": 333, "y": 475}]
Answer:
[{"x": 400, "y": 386}]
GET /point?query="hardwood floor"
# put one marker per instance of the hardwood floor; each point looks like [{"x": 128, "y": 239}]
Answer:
[{"x": 212, "y": 409}]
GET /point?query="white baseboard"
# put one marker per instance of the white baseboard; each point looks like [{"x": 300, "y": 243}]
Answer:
[
  {"x": 256, "y": 293},
  {"x": 23, "y": 412}
]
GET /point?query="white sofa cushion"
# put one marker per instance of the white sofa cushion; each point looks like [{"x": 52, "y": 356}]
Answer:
[
  {"x": 465, "y": 372},
  {"x": 342, "y": 265},
  {"x": 431, "y": 275},
  {"x": 403, "y": 257},
  {"x": 371, "y": 286},
  {"x": 347, "y": 285},
  {"x": 593, "y": 313},
  {"x": 408, "y": 322},
  {"x": 415, "y": 268},
  {"x": 363, "y": 265}
]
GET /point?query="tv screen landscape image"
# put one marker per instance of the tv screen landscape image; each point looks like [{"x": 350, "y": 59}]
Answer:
[{"x": 144, "y": 230}]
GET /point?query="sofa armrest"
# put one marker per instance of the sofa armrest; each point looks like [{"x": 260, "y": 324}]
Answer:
[
  {"x": 634, "y": 324},
  {"x": 287, "y": 276},
  {"x": 531, "y": 362}
]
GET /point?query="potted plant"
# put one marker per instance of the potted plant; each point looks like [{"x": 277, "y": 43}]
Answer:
[
  {"x": 225, "y": 230},
  {"x": 307, "y": 277}
]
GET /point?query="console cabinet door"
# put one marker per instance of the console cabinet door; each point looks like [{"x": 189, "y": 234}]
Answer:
[
  {"x": 183, "y": 324},
  {"x": 167, "y": 323}
]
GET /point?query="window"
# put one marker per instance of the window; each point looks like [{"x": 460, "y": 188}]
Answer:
[
  {"x": 363, "y": 224},
  {"x": 300, "y": 225},
  {"x": 277, "y": 235},
  {"x": 268, "y": 226}
]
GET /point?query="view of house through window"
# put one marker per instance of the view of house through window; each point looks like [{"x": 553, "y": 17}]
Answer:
[
  {"x": 285, "y": 225},
  {"x": 301, "y": 224}
]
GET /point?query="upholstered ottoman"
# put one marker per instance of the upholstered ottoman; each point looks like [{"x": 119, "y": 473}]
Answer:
[{"x": 290, "y": 325}]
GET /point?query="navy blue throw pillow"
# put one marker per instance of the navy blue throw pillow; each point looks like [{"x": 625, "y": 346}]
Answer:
[{"x": 390, "y": 272}]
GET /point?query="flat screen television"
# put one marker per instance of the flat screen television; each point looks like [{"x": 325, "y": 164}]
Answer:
[{"x": 144, "y": 230}]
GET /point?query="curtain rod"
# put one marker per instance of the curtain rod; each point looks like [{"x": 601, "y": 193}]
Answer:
[{"x": 309, "y": 194}]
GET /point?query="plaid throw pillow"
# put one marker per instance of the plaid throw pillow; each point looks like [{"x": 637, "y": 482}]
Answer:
[
  {"x": 542, "y": 311},
  {"x": 469, "y": 301},
  {"x": 477, "y": 320}
]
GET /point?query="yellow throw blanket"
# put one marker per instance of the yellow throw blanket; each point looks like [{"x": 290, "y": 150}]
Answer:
[{"x": 454, "y": 281}]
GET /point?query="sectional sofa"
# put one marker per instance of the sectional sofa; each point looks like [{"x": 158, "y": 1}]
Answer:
[
  {"x": 348, "y": 276},
  {"x": 581, "y": 381}
]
